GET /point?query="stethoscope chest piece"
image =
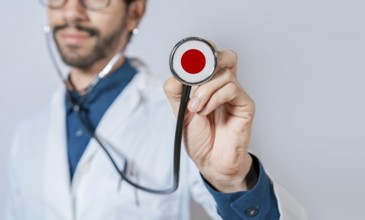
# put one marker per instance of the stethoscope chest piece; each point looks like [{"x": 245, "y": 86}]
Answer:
[{"x": 193, "y": 61}]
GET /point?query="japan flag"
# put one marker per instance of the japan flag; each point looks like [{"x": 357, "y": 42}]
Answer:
[{"x": 193, "y": 61}]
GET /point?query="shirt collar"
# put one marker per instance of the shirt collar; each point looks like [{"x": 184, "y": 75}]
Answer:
[{"x": 112, "y": 81}]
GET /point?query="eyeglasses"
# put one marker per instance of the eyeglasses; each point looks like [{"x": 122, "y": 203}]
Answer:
[{"x": 88, "y": 4}]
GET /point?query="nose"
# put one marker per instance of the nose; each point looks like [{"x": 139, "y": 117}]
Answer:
[{"x": 74, "y": 11}]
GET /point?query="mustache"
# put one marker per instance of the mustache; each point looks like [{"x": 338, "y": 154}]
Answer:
[{"x": 77, "y": 26}]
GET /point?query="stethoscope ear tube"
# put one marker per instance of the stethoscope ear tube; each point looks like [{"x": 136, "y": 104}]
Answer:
[{"x": 183, "y": 68}]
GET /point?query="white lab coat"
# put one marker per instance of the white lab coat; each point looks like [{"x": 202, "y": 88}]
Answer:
[{"x": 140, "y": 124}]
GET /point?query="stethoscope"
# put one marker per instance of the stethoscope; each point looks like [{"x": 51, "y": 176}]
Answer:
[{"x": 193, "y": 61}]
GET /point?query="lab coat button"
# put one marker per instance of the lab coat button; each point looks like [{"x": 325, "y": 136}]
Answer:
[
  {"x": 251, "y": 212},
  {"x": 79, "y": 133}
]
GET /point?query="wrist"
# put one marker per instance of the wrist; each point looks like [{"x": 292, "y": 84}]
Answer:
[{"x": 243, "y": 180}]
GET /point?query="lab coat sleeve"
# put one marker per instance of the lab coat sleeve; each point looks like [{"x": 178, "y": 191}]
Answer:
[
  {"x": 200, "y": 193},
  {"x": 289, "y": 207},
  {"x": 14, "y": 209}
]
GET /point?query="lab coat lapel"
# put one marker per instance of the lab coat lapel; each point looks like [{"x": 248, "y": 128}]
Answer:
[
  {"x": 119, "y": 111},
  {"x": 57, "y": 178}
]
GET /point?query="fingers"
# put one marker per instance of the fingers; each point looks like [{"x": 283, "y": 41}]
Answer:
[
  {"x": 225, "y": 94},
  {"x": 221, "y": 89},
  {"x": 227, "y": 59},
  {"x": 202, "y": 93}
]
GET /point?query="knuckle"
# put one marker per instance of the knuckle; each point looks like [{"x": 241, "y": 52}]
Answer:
[
  {"x": 232, "y": 88},
  {"x": 233, "y": 55},
  {"x": 219, "y": 100},
  {"x": 171, "y": 89},
  {"x": 253, "y": 107},
  {"x": 250, "y": 115},
  {"x": 214, "y": 102},
  {"x": 203, "y": 92},
  {"x": 232, "y": 76},
  {"x": 227, "y": 75},
  {"x": 167, "y": 86}
]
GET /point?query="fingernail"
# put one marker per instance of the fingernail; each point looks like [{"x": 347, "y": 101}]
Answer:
[{"x": 194, "y": 104}]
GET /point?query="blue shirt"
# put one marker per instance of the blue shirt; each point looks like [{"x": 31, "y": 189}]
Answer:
[
  {"x": 93, "y": 109},
  {"x": 259, "y": 203}
]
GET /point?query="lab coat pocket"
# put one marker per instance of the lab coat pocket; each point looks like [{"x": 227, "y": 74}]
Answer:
[
  {"x": 131, "y": 203},
  {"x": 149, "y": 206}
]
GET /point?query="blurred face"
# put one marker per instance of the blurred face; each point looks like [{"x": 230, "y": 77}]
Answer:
[{"x": 85, "y": 36}]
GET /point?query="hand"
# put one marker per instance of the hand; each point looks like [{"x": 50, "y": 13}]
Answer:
[{"x": 217, "y": 126}]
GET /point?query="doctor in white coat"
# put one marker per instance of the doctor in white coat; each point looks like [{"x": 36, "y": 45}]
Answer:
[{"x": 140, "y": 124}]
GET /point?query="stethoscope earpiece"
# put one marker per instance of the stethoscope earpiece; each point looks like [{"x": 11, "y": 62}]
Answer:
[
  {"x": 47, "y": 29},
  {"x": 193, "y": 61}
]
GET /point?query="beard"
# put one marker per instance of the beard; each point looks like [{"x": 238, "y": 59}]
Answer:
[{"x": 101, "y": 48}]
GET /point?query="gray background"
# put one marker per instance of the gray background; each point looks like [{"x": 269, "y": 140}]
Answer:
[{"x": 301, "y": 61}]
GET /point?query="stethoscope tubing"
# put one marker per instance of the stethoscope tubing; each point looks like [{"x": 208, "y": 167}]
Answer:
[
  {"x": 177, "y": 148},
  {"x": 123, "y": 173}
]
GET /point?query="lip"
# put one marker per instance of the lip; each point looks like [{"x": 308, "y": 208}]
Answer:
[{"x": 73, "y": 37}]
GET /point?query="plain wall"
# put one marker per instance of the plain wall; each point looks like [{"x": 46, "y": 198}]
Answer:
[{"x": 301, "y": 61}]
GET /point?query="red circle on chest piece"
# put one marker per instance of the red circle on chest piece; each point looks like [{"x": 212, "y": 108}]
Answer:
[{"x": 193, "y": 61}]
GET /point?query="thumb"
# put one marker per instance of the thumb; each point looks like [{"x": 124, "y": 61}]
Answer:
[{"x": 173, "y": 90}]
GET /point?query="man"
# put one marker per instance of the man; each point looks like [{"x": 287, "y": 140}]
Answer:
[{"x": 57, "y": 170}]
